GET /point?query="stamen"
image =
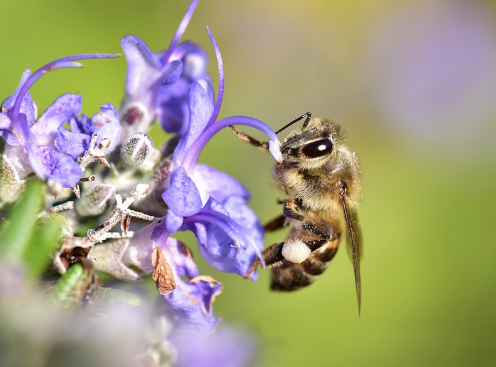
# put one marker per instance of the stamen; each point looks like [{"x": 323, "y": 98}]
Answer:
[
  {"x": 180, "y": 31},
  {"x": 195, "y": 149},
  {"x": 65, "y": 62},
  {"x": 220, "y": 66}
]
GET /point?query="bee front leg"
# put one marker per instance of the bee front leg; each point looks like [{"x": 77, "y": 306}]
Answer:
[{"x": 257, "y": 143}]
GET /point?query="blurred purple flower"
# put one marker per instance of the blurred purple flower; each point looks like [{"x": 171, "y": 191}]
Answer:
[
  {"x": 227, "y": 347},
  {"x": 433, "y": 68}
]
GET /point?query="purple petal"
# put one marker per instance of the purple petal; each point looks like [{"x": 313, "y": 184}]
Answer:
[
  {"x": 73, "y": 144},
  {"x": 248, "y": 220},
  {"x": 139, "y": 250},
  {"x": 217, "y": 184},
  {"x": 201, "y": 106},
  {"x": 57, "y": 165},
  {"x": 172, "y": 107},
  {"x": 143, "y": 67},
  {"x": 182, "y": 196},
  {"x": 218, "y": 234},
  {"x": 28, "y": 107},
  {"x": 79, "y": 124},
  {"x": 56, "y": 115},
  {"x": 7, "y": 130},
  {"x": 65, "y": 62},
  {"x": 144, "y": 75},
  {"x": 173, "y": 222},
  {"x": 177, "y": 253},
  {"x": 181, "y": 258},
  {"x": 194, "y": 58},
  {"x": 180, "y": 30},
  {"x": 106, "y": 124},
  {"x": 190, "y": 304}
]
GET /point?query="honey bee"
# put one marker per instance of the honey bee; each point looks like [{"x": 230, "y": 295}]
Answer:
[{"x": 321, "y": 179}]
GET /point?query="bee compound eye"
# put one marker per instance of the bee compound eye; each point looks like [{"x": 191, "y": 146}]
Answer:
[{"x": 318, "y": 148}]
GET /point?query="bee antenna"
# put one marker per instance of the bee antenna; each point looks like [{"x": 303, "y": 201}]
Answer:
[{"x": 307, "y": 115}]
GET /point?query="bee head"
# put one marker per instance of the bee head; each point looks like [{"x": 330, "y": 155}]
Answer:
[{"x": 313, "y": 143}]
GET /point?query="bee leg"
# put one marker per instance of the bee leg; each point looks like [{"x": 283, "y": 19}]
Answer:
[
  {"x": 311, "y": 227},
  {"x": 290, "y": 210},
  {"x": 272, "y": 256},
  {"x": 275, "y": 224},
  {"x": 257, "y": 143}
]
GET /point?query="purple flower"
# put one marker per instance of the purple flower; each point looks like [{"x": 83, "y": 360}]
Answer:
[
  {"x": 432, "y": 70},
  {"x": 146, "y": 74},
  {"x": 30, "y": 142},
  {"x": 172, "y": 102},
  {"x": 190, "y": 304},
  {"x": 199, "y": 197},
  {"x": 76, "y": 142}
]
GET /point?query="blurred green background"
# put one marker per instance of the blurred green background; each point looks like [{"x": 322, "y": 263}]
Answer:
[{"x": 413, "y": 82}]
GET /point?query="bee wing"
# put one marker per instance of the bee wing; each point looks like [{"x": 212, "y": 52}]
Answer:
[
  {"x": 358, "y": 234},
  {"x": 354, "y": 236}
]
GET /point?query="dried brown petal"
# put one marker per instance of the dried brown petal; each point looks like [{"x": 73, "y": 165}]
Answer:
[{"x": 162, "y": 275}]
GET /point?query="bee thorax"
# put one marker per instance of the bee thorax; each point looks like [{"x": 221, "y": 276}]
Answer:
[{"x": 295, "y": 251}]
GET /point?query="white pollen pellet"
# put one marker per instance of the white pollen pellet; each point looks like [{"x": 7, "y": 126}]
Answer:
[{"x": 295, "y": 251}]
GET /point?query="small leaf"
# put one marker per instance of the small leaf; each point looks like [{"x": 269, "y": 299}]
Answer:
[
  {"x": 43, "y": 244},
  {"x": 17, "y": 230},
  {"x": 64, "y": 292}
]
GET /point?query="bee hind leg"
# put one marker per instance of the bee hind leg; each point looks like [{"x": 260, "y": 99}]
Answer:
[{"x": 272, "y": 256}]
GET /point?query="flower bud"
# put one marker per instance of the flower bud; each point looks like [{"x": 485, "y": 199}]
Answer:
[
  {"x": 95, "y": 200},
  {"x": 136, "y": 149}
]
